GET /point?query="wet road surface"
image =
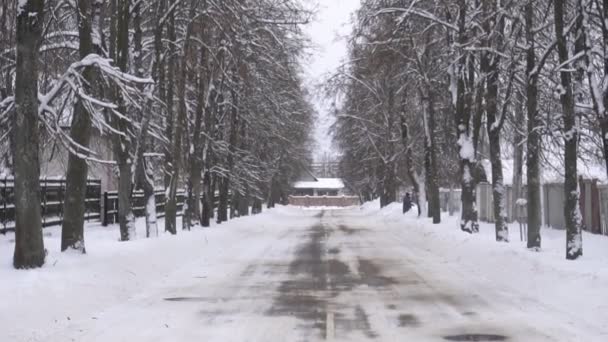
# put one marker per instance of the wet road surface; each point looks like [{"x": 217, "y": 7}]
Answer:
[{"x": 339, "y": 279}]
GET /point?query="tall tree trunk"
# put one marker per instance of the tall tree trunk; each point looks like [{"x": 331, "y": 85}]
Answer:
[
  {"x": 169, "y": 98},
  {"x": 256, "y": 208},
  {"x": 72, "y": 229},
  {"x": 233, "y": 140},
  {"x": 192, "y": 214},
  {"x": 235, "y": 204},
  {"x": 469, "y": 222},
  {"x": 243, "y": 205},
  {"x": 29, "y": 244},
  {"x": 179, "y": 122},
  {"x": 604, "y": 132},
  {"x": 411, "y": 171},
  {"x": 272, "y": 193},
  {"x": 119, "y": 50},
  {"x": 382, "y": 183},
  {"x": 207, "y": 201},
  {"x": 431, "y": 156},
  {"x": 144, "y": 176},
  {"x": 574, "y": 243},
  {"x": 494, "y": 122},
  {"x": 603, "y": 114},
  {"x": 244, "y": 199},
  {"x": 534, "y": 124},
  {"x": 208, "y": 185},
  {"x": 423, "y": 211},
  {"x": 222, "y": 210},
  {"x": 518, "y": 153}
]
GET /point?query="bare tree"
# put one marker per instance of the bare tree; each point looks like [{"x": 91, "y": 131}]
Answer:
[
  {"x": 72, "y": 230},
  {"x": 574, "y": 245}
]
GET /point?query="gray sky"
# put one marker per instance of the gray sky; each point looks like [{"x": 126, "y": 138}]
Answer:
[{"x": 327, "y": 32}]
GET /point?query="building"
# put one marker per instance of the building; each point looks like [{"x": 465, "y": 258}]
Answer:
[
  {"x": 309, "y": 185},
  {"x": 319, "y": 187}
]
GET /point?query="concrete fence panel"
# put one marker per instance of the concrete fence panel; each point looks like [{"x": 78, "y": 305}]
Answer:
[
  {"x": 553, "y": 205},
  {"x": 603, "y": 203},
  {"x": 485, "y": 202},
  {"x": 324, "y": 201},
  {"x": 485, "y": 205}
]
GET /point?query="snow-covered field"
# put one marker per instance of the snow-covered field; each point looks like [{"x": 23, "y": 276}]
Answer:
[{"x": 304, "y": 275}]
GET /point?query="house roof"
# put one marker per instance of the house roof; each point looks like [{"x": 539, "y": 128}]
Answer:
[{"x": 321, "y": 183}]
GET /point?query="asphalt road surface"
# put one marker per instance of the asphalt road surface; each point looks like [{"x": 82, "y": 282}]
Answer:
[{"x": 336, "y": 278}]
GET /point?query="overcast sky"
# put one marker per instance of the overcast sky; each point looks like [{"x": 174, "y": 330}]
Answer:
[{"x": 328, "y": 33}]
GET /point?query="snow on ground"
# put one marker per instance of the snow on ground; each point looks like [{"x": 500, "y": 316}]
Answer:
[
  {"x": 576, "y": 289},
  {"x": 38, "y": 303},
  {"x": 116, "y": 291}
]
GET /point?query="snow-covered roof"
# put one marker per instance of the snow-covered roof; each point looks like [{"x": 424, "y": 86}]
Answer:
[{"x": 321, "y": 183}]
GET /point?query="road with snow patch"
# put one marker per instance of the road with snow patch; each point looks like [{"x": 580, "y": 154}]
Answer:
[{"x": 339, "y": 277}]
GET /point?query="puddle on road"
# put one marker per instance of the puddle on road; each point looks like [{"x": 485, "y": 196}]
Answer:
[
  {"x": 371, "y": 274},
  {"x": 302, "y": 296},
  {"x": 334, "y": 250},
  {"x": 475, "y": 337},
  {"x": 358, "y": 322},
  {"x": 408, "y": 321},
  {"x": 350, "y": 231},
  {"x": 187, "y": 299}
]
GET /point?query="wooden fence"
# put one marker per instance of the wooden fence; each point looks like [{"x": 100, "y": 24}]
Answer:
[
  {"x": 98, "y": 207},
  {"x": 52, "y": 195},
  {"x": 110, "y": 204}
]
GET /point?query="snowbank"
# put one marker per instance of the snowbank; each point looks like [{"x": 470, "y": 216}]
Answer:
[{"x": 575, "y": 288}]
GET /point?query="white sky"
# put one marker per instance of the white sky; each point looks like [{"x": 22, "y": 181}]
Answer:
[{"x": 328, "y": 34}]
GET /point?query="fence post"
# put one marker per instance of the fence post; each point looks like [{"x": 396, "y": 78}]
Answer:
[
  {"x": 105, "y": 209},
  {"x": 61, "y": 194},
  {"x": 5, "y": 200},
  {"x": 44, "y": 206},
  {"x": 86, "y": 201}
]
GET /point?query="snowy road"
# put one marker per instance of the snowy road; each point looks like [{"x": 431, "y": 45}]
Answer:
[{"x": 327, "y": 275}]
